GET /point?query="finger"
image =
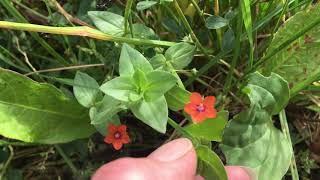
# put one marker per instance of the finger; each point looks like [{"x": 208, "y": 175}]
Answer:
[
  {"x": 164, "y": 163},
  {"x": 240, "y": 173},
  {"x": 177, "y": 159}
]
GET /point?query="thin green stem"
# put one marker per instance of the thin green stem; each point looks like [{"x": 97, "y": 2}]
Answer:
[
  {"x": 67, "y": 160},
  {"x": 81, "y": 31},
  {"x": 126, "y": 15},
  {"x": 206, "y": 67},
  {"x": 189, "y": 28},
  {"x": 6, "y": 143},
  {"x": 181, "y": 130},
  {"x": 31, "y": 10},
  {"x": 216, "y": 10},
  {"x": 284, "y": 9},
  {"x": 12, "y": 10},
  {"x": 236, "y": 54},
  {"x": 200, "y": 13},
  {"x": 285, "y": 129},
  {"x": 5, "y": 166}
]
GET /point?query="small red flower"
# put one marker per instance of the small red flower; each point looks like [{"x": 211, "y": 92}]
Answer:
[
  {"x": 117, "y": 136},
  {"x": 199, "y": 109}
]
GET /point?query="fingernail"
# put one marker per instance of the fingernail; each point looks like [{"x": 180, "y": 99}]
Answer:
[{"x": 172, "y": 150}]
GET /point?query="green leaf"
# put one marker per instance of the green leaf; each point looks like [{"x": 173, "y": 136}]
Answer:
[
  {"x": 119, "y": 88},
  {"x": 85, "y": 89},
  {"x": 228, "y": 40},
  {"x": 159, "y": 82},
  {"x": 210, "y": 129},
  {"x": 274, "y": 85},
  {"x": 104, "y": 110},
  {"x": 143, "y": 5},
  {"x": 39, "y": 113},
  {"x": 140, "y": 79},
  {"x": 131, "y": 60},
  {"x": 210, "y": 164},
  {"x": 180, "y": 55},
  {"x": 216, "y": 22},
  {"x": 177, "y": 98},
  {"x": 300, "y": 61},
  {"x": 154, "y": 113},
  {"x": 141, "y": 31},
  {"x": 250, "y": 139},
  {"x": 108, "y": 22},
  {"x": 158, "y": 61}
]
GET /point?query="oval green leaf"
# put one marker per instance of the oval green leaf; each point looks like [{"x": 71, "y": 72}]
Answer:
[{"x": 39, "y": 113}]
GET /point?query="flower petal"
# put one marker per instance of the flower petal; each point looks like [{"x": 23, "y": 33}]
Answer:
[
  {"x": 122, "y": 129},
  {"x": 125, "y": 139},
  {"x": 198, "y": 118},
  {"x": 211, "y": 113},
  {"x": 209, "y": 101},
  {"x": 112, "y": 129},
  {"x": 109, "y": 139},
  {"x": 195, "y": 98},
  {"x": 190, "y": 109},
  {"x": 117, "y": 145}
]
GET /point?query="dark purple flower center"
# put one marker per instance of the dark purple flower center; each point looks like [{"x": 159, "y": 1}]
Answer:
[
  {"x": 117, "y": 135},
  {"x": 201, "y": 108}
]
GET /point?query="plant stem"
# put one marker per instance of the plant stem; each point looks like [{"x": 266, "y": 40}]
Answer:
[
  {"x": 67, "y": 160},
  {"x": 236, "y": 54},
  {"x": 65, "y": 68},
  {"x": 189, "y": 28},
  {"x": 181, "y": 130},
  {"x": 12, "y": 10},
  {"x": 206, "y": 67},
  {"x": 5, "y": 166},
  {"x": 81, "y": 31},
  {"x": 216, "y": 10},
  {"x": 200, "y": 13},
  {"x": 285, "y": 129},
  {"x": 31, "y": 10},
  {"x": 126, "y": 15},
  {"x": 6, "y": 143}
]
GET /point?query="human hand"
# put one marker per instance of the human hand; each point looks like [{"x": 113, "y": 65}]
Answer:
[{"x": 175, "y": 160}]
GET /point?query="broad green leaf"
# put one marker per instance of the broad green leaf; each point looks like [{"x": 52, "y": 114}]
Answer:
[
  {"x": 159, "y": 82},
  {"x": 210, "y": 165},
  {"x": 119, "y": 88},
  {"x": 39, "y": 113},
  {"x": 141, "y": 31},
  {"x": 275, "y": 86},
  {"x": 228, "y": 40},
  {"x": 85, "y": 89},
  {"x": 177, "y": 98},
  {"x": 105, "y": 109},
  {"x": 216, "y": 22},
  {"x": 140, "y": 80},
  {"x": 250, "y": 139},
  {"x": 143, "y": 5},
  {"x": 158, "y": 61},
  {"x": 210, "y": 129},
  {"x": 108, "y": 22},
  {"x": 154, "y": 113},
  {"x": 131, "y": 60},
  {"x": 299, "y": 61},
  {"x": 180, "y": 55}
]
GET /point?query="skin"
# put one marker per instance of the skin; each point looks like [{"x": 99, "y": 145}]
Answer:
[{"x": 174, "y": 160}]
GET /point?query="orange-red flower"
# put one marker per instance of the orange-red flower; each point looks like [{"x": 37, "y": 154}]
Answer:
[
  {"x": 200, "y": 108},
  {"x": 117, "y": 136}
]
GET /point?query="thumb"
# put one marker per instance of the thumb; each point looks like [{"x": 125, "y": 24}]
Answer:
[{"x": 174, "y": 160}]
